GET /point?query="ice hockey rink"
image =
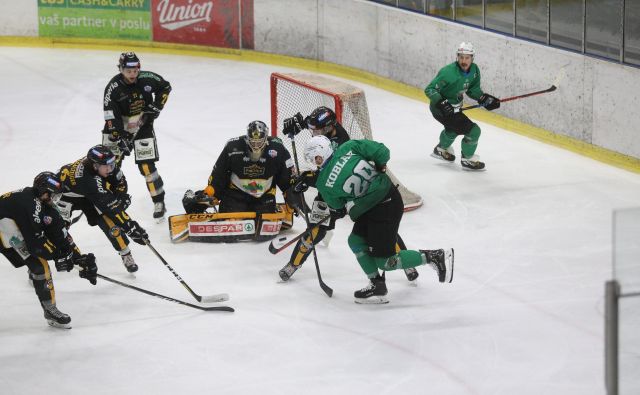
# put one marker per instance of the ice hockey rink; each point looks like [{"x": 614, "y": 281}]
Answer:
[{"x": 524, "y": 314}]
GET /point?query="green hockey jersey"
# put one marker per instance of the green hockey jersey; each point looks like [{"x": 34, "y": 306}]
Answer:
[
  {"x": 451, "y": 83},
  {"x": 350, "y": 177}
]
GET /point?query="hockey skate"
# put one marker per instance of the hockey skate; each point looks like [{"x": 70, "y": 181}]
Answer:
[
  {"x": 442, "y": 262},
  {"x": 287, "y": 271},
  {"x": 447, "y": 155},
  {"x": 55, "y": 317},
  {"x": 374, "y": 293},
  {"x": 159, "y": 210},
  {"x": 129, "y": 263},
  {"x": 472, "y": 163},
  {"x": 411, "y": 273}
]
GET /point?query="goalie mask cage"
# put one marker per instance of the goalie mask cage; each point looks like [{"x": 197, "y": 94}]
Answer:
[{"x": 293, "y": 92}]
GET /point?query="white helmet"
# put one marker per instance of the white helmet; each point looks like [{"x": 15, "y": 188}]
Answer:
[
  {"x": 320, "y": 146},
  {"x": 465, "y": 49}
]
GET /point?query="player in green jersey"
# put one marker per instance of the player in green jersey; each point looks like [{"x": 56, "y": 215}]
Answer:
[
  {"x": 445, "y": 93},
  {"x": 353, "y": 180}
]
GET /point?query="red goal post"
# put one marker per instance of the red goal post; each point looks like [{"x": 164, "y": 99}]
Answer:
[{"x": 296, "y": 92}]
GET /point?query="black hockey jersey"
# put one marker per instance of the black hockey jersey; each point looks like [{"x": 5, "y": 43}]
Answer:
[
  {"x": 40, "y": 224},
  {"x": 105, "y": 193},
  {"x": 123, "y": 101},
  {"x": 235, "y": 170}
]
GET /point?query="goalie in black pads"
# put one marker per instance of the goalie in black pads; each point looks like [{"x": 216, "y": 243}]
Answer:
[
  {"x": 98, "y": 188},
  {"x": 322, "y": 121},
  {"x": 133, "y": 99},
  {"x": 243, "y": 184},
  {"x": 32, "y": 233}
]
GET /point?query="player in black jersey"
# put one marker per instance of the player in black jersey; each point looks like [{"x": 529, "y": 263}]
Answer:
[
  {"x": 247, "y": 172},
  {"x": 32, "y": 233},
  {"x": 322, "y": 121},
  {"x": 96, "y": 186},
  {"x": 133, "y": 99}
]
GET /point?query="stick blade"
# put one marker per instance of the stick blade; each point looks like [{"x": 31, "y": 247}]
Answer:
[
  {"x": 215, "y": 298},
  {"x": 276, "y": 245},
  {"x": 219, "y": 308}
]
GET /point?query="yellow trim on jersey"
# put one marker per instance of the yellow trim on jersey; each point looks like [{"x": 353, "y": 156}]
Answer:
[{"x": 600, "y": 154}]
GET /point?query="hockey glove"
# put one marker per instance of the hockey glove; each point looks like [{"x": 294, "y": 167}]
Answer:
[
  {"x": 445, "y": 107},
  {"x": 338, "y": 213},
  {"x": 124, "y": 201},
  {"x": 87, "y": 267},
  {"x": 294, "y": 199},
  {"x": 136, "y": 233},
  {"x": 293, "y": 125},
  {"x": 305, "y": 180},
  {"x": 489, "y": 102},
  {"x": 65, "y": 263},
  {"x": 381, "y": 168},
  {"x": 152, "y": 111}
]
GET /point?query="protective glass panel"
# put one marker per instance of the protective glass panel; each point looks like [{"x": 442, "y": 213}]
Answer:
[
  {"x": 567, "y": 20},
  {"x": 626, "y": 249},
  {"x": 629, "y": 346},
  {"x": 603, "y": 32},
  {"x": 632, "y": 32},
  {"x": 469, "y": 11},
  {"x": 413, "y": 5},
  {"x": 500, "y": 15},
  {"x": 531, "y": 19},
  {"x": 442, "y": 8}
]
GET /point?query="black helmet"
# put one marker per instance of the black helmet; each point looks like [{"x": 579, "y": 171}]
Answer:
[
  {"x": 47, "y": 182},
  {"x": 257, "y": 132},
  {"x": 320, "y": 118},
  {"x": 101, "y": 155},
  {"x": 128, "y": 60}
]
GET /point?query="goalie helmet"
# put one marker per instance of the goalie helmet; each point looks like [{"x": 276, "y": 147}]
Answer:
[
  {"x": 465, "y": 49},
  {"x": 101, "y": 155},
  {"x": 318, "y": 146},
  {"x": 321, "y": 118},
  {"x": 256, "y": 138},
  {"x": 128, "y": 60},
  {"x": 47, "y": 182}
]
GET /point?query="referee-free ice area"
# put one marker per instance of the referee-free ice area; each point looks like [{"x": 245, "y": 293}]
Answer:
[{"x": 524, "y": 314}]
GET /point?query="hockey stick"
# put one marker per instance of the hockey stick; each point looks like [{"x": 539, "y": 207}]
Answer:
[
  {"x": 170, "y": 299},
  {"x": 324, "y": 286},
  {"x": 76, "y": 219},
  {"x": 506, "y": 99},
  {"x": 276, "y": 249},
  {"x": 204, "y": 299}
]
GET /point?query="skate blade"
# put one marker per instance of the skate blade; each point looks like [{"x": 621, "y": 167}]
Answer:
[
  {"x": 442, "y": 158},
  {"x": 54, "y": 324},
  {"x": 160, "y": 220},
  {"x": 372, "y": 300},
  {"x": 448, "y": 262}
]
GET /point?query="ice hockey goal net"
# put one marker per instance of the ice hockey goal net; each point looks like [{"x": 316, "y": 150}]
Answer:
[{"x": 293, "y": 92}]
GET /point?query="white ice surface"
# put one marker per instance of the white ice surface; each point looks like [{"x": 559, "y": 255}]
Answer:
[{"x": 523, "y": 316}]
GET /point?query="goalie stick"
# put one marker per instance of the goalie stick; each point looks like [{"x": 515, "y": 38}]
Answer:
[
  {"x": 204, "y": 299},
  {"x": 274, "y": 249},
  {"x": 168, "y": 298}
]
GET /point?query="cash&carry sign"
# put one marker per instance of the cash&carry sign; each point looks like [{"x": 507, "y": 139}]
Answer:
[{"x": 113, "y": 19}]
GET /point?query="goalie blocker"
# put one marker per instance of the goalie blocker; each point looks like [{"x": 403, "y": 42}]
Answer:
[{"x": 229, "y": 227}]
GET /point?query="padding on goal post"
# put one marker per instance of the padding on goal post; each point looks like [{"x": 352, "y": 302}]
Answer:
[{"x": 294, "y": 92}]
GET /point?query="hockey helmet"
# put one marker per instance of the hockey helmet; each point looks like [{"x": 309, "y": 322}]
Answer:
[
  {"x": 256, "y": 138},
  {"x": 321, "y": 119},
  {"x": 465, "y": 48},
  {"x": 318, "y": 146},
  {"x": 101, "y": 155},
  {"x": 128, "y": 60},
  {"x": 47, "y": 182}
]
